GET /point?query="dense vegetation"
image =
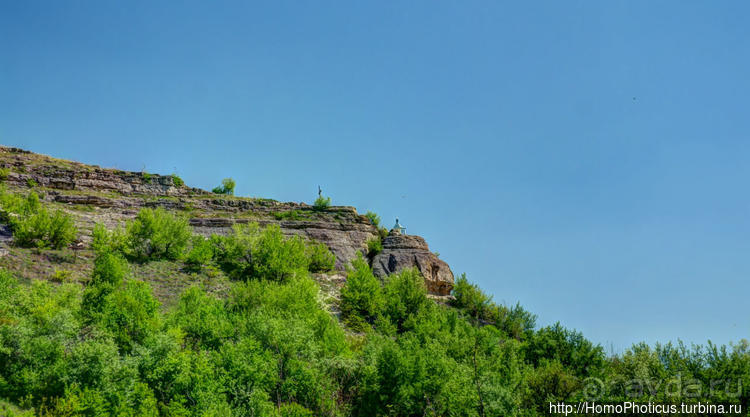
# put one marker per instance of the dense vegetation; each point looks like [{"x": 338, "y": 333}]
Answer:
[
  {"x": 271, "y": 347},
  {"x": 32, "y": 224}
]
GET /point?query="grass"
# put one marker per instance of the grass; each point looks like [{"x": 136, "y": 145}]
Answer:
[
  {"x": 297, "y": 215},
  {"x": 170, "y": 278},
  {"x": 30, "y": 264}
]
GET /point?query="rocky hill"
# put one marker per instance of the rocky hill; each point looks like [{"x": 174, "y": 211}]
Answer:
[{"x": 92, "y": 195}]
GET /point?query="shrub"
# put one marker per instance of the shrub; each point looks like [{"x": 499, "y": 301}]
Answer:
[
  {"x": 361, "y": 296},
  {"x": 61, "y": 275},
  {"x": 131, "y": 314},
  {"x": 31, "y": 183},
  {"x": 251, "y": 252},
  {"x": 322, "y": 203},
  {"x": 374, "y": 218},
  {"x": 515, "y": 322},
  {"x": 277, "y": 257},
  {"x": 44, "y": 230},
  {"x": 110, "y": 268},
  {"x": 405, "y": 296},
  {"x": 471, "y": 299},
  {"x": 157, "y": 234},
  {"x": 320, "y": 258},
  {"x": 4, "y": 172},
  {"x": 147, "y": 178},
  {"x": 226, "y": 187},
  {"x": 201, "y": 253},
  {"x": 104, "y": 240},
  {"x": 374, "y": 246},
  {"x": 177, "y": 181}
]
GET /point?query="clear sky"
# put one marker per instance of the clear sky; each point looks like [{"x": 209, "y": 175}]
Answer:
[{"x": 589, "y": 160}]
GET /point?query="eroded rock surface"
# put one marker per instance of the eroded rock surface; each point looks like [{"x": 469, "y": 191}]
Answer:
[
  {"x": 407, "y": 251},
  {"x": 92, "y": 194}
]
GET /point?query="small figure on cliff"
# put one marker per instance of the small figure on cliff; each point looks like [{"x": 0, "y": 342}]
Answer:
[
  {"x": 398, "y": 229},
  {"x": 320, "y": 192}
]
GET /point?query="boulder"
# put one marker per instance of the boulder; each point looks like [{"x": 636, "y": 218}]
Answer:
[{"x": 407, "y": 251}]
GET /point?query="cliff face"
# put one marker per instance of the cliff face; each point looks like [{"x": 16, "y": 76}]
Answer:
[
  {"x": 99, "y": 195},
  {"x": 407, "y": 251}
]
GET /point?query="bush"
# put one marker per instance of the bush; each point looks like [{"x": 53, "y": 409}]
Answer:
[
  {"x": 361, "y": 296},
  {"x": 226, "y": 187},
  {"x": 373, "y": 218},
  {"x": 4, "y": 172},
  {"x": 471, "y": 299},
  {"x": 61, "y": 275},
  {"x": 320, "y": 258},
  {"x": 322, "y": 203},
  {"x": 201, "y": 253},
  {"x": 251, "y": 252},
  {"x": 405, "y": 296},
  {"x": 374, "y": 246},
  {"x": 130, "y": 314},
  {"x": 104, "y": 240},
  {"x": 33, "y": 225},
  {"x": 157, "y": 234},
  {"x": 177, "y": 181},
  {"x": 515, "y": 322},
  {"x": 110, "y": 269}
]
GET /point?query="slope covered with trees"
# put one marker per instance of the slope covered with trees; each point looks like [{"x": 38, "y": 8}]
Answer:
[{"x": 271, "y": 342}]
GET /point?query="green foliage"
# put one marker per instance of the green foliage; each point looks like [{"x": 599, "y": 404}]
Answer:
[
  {"x": 130, "y": 314},
  {"x": 322, "y": 203},
  {"x": 147, "y": 178},
  {"x": 105, "y": 241},
  {"x": 254, "y": 253},
  {"x": 568, "y": 347},
  {"x": 361, "y": 297},
  {"x": 61, "y": 275},
  {"x": 320, "y": 258},
  {"x": 226, "y": 187},
  {"x": 45, "y": 230},
  {"x": 34, "y": 225},
  {"x": 374, "y": 246},
  {"x": 297, "y": 215},
  {"x": 405, "y": 296},
  {"x": 373, "y": 218},
  {"x": 268, "y": 346},
  {"x": 177, "y": 181},
  {"x": 515, "y": 321},
  {"x": 4, "y": 172},
  {"x": 31, "y": 183},
  {"x": 157, "y": 234},
  {"x": 201, "y": 253}
]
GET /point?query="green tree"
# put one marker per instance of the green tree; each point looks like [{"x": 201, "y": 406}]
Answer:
[
  {"x": 361, "y": 296},
  {"x": 226, "y": 187},
  {"x": 157, "y": 234},
  {"x": 405, "y": 296}
]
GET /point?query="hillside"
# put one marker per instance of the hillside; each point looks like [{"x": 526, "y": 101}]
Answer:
[
  {"x": 131, "y": 294},
  {"x": 91, "y": 195}
]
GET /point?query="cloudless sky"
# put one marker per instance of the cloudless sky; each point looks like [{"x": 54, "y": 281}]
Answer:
[{"x": 589, "y": 160}]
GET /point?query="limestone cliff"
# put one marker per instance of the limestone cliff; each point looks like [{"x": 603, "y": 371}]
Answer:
[
  {"x": 407, "y": 251},
  {"x": 99, "y": 195}
]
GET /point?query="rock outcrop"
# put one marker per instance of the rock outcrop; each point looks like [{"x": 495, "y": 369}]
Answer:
[
  {"x": 92, "y": 194},
  {"x": 407, "y": 251}
]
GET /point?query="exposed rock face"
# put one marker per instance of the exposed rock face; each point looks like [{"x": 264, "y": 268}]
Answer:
[
  {"x": 92, "y": 194},
  {"x": 407, "y": 251}
]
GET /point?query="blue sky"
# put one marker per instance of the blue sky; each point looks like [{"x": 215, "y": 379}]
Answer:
[{"x": 589, "y": 160}]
